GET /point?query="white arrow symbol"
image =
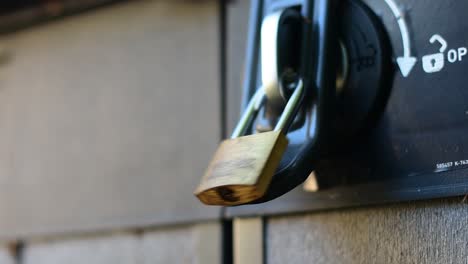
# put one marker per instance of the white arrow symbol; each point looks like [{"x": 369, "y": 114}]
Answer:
[{"x": 406, "y": 63}]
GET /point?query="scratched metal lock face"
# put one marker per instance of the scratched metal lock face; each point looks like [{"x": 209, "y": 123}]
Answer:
[{"x": 435, "y": 62}]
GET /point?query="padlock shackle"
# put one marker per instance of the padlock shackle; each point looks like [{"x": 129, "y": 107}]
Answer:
[
  {"x": 250, "y": 113},
  {"x": 441, "y": 40},
  {"x": 291, "y": 108}
]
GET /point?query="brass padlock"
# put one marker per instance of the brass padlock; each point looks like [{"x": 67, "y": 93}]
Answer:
[{"x": 243, "y": 166}]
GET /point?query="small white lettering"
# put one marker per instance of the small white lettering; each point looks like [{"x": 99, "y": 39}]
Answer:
[
  {"x": 452, "y": 164},
  {"x": 452, "y": 56},
  {"x": 445, "y": 165},
  {"x": 461, "y": 52}
]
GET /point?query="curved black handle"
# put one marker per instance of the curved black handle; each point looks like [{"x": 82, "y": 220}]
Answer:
[{"x": 318, "y": 73}]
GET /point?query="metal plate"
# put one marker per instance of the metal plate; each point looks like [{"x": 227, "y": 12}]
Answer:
[{"x": 419, "y": 148}]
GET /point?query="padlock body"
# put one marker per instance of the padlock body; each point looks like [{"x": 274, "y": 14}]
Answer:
[
  {"x": 433, "y": 63},
  {"x": 242, "y": 169}
]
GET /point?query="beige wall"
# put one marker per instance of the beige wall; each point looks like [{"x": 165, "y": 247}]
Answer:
[
  {"x": 173, "y": 244},
  {"x": 108, "y": 118},
  {"x": 429, "y": 232}
]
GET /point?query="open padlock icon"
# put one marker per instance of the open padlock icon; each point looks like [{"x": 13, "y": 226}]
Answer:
[{"x": 435, "y": 62}]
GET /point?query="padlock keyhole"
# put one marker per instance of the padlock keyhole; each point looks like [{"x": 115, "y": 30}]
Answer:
[{"x": 433, "y": 62}]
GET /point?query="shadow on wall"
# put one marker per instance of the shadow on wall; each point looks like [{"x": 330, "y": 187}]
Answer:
[{"x": 17, "y": 14}]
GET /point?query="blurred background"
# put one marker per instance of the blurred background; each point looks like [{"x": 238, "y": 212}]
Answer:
[{"x": 109, "y": 113}]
